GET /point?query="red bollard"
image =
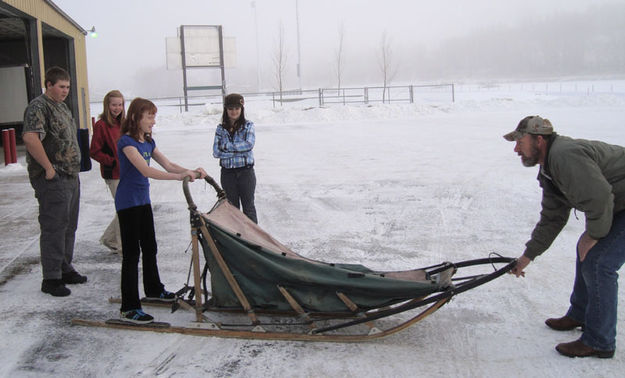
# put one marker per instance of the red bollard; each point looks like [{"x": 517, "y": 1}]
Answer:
[
  {"x": 12, "y": 144},
  {"x": 7, "y": 148}
]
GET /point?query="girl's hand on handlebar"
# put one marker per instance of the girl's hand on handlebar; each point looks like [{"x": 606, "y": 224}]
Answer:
[
  {"x": 201, "y": 173},
  {"x": 188, "y": 173}
]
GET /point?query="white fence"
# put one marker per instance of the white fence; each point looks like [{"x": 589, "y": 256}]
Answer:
[
  {"x": 420, "y": 94},
  {"x": 435, "y": 93}
]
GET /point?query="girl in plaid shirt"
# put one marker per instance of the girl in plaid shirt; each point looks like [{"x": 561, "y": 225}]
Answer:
[{"x": 234, "y": 141}]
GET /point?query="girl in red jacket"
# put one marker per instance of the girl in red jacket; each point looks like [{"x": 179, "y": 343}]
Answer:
[{"x": 104, "y": 150}]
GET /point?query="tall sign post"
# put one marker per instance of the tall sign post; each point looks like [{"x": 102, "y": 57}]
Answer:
[{"x": 198, "y": 51}]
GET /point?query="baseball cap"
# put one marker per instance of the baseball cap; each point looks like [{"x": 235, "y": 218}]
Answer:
[{"x": 530, "y": 125}]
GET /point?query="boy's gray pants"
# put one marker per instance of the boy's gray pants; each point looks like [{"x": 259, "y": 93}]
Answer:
[{"x": 59, "y": 201}]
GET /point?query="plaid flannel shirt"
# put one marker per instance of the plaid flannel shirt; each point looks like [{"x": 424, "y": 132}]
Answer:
[{"x": 235, "y": 151}]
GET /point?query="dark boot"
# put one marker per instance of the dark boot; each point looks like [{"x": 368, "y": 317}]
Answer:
[
  {"x": 55, "y": 288},
  {"x": 73, "y": 278},
  {"x": 578, "y": 349},
  {"x": 564, "y": 323}
]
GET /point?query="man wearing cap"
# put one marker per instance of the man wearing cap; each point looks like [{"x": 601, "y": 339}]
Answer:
[{"x": 588, "y": 176}]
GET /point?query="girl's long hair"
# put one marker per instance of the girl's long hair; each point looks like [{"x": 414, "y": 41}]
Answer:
[
  {"x": 136, "y": 109},
  {"x": 106, "y": 115}
]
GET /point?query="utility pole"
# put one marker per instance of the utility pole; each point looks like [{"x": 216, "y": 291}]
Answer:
[
  {"x": 253, "y": 5},
  {"x": 299, "y": 55}
]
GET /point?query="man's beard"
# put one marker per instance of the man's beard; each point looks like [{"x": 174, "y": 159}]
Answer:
[{"x": 532, "y": 159}]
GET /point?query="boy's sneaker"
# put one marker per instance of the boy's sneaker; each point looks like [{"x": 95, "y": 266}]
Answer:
[
  {"x": 165, "y": 296},
  {"x": 55, "y": 288},
  {"x": 136, "y": 316},
  {"x": 73, "y": 278}
]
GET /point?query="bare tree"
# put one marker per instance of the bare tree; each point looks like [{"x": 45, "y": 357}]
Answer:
[
  {"x": 279, "y": 60},
  {"x": 385, "y": 60},
  {"x": 339, "y": 57}
]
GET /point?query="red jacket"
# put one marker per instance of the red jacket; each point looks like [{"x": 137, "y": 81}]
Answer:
[{"x": 104, "y": 148}]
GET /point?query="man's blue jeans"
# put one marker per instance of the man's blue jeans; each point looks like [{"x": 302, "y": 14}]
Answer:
[{"x": 595, "y": 293}]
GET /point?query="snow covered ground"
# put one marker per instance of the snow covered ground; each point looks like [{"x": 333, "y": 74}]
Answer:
[{"x": 389, "y": 186}]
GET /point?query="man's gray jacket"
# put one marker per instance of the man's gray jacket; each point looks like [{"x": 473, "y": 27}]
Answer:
[{"x": 585, "y": 175}]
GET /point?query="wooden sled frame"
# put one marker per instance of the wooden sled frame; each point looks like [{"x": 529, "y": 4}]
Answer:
[{"x": 255, "y": 329}]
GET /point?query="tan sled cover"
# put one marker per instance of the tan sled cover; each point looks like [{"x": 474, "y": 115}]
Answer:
[{"x": 261, "y": 264}]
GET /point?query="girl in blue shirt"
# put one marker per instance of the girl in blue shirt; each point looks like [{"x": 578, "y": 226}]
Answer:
[{"x": 135, "y": 149}]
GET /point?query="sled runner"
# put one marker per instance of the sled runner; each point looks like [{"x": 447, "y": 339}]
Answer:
[{"x": 261, "y": 289}]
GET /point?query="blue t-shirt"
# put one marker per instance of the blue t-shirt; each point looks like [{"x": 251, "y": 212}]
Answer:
[{"x": 134, "y": 188}]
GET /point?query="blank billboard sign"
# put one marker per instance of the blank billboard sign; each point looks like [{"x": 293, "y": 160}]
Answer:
[{"x": 201, "y": 46}]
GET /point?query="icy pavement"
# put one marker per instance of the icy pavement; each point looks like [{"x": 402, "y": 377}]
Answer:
[{"x": 389, "y": 186}]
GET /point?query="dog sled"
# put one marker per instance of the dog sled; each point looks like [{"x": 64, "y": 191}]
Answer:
[{"x": 243, "y": 283}]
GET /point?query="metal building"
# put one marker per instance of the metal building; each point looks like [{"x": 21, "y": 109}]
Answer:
[{"x": 36, "y": 35}]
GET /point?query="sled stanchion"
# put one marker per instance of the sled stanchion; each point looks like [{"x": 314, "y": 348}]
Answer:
[
  {"x": 196, "y": 275},
  {"x": 350, "y": 305},
  {"x": 228, "y": 274},
  {"x": 353, "y": 308},
  {"x": 296, "y": 306}
]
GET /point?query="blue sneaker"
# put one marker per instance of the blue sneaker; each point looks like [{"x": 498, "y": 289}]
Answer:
[
  {"x": 165, "y": 296},
  {"x": 136, "y": 316}
]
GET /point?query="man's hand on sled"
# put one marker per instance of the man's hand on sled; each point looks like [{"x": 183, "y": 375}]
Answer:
[
  {"x": 521, "y": 263},
  {"x": 584, "y": 245}
]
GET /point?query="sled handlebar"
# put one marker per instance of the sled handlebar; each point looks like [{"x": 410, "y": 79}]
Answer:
[{"x": 221, "y": 194}]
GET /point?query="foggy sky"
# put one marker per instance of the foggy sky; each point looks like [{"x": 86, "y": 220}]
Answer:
[{"x": 430, "y": 41}]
